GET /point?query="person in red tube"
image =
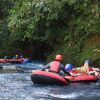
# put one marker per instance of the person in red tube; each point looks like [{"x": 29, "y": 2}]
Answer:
[
  {"x": 88, "y": 69},
  {"x": 56, "y": 66}
]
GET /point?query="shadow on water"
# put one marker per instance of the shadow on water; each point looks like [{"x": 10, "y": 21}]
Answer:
[{"x": 18, "y": 86}]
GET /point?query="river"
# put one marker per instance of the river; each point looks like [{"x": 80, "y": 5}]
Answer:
[{"x": 18, "y": 86}]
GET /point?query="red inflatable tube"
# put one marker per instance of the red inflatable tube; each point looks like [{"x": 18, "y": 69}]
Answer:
[
  {"x": 43, "y": 77},
  {"x": 4, "y": 61},
  {"x": 82, "y": 78}
]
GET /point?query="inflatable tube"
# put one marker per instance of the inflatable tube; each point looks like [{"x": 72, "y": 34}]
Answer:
[
  {"x": 27, "y": 61},
  {"x": 4, "y": 61},
  {"x": 82, "y": 78},
  {"x": 11, "y": 69},
  {"x": 42, "y": 77},
  {"x": 15, "y": 61}
]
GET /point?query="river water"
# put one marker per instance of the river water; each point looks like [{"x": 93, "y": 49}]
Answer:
[{"x": 18, "y": 86}]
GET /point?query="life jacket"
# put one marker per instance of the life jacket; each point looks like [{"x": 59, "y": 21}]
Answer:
[{"x": 54, "y": 66}]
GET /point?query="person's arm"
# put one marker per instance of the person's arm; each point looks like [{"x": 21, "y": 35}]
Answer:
[
  {"x": 95, "y": 69},
  {"x": 62, "y": 67},
  {"x": 48, "y": 65}
]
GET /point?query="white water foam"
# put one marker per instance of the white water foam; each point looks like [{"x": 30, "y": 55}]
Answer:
[
  {"x": 65, "y": 96},
  {"x": 73, "y": 95}
]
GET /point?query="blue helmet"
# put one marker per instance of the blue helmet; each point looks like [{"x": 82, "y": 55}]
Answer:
[
  {"x": 89, "y": 62},
  {"x": 68, "y": 67}
]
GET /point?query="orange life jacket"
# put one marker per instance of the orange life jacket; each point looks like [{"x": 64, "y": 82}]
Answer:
[{"x": 54, "y": 66}]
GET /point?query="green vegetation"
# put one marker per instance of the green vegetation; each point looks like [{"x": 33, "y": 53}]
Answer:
[{"x": 44, "y": 28}]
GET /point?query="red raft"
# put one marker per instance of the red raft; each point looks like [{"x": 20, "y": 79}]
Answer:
[
  {"x": 43, "y": 77},
  {"x": 15, "y": 61},
  {"x": 4, "y": 61},
  {"x": 82, "y": 78},
  {"x": 11, "y": 61}
]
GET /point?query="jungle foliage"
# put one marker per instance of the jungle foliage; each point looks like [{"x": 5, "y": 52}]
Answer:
[{"x": 54, "y": 26}]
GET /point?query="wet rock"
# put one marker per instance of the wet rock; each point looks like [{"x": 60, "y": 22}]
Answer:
[{"x": 10, "y": 69}]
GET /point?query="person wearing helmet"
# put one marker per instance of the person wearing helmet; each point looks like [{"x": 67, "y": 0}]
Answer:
[
  {"x": 88, "y": 69},
  {"x": 68, "y": 67},
  {"x": 58, "y": 57},
  {"x": 21, "y": 56},
  {"x": 5, "y": 57},
  {"x": 16, "y": 56},
  {"x": 56, "y": 66},
  {"x": 71, "y": 70}
]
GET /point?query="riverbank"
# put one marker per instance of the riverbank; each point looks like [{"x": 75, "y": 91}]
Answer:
[{"x": 75, "y": 53}]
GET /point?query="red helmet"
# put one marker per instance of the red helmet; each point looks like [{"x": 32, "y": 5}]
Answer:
[{"x": 58, "y": 57}]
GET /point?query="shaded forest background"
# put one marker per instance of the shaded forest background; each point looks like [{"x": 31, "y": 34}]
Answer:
[{"x": 40, "y": 29}]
